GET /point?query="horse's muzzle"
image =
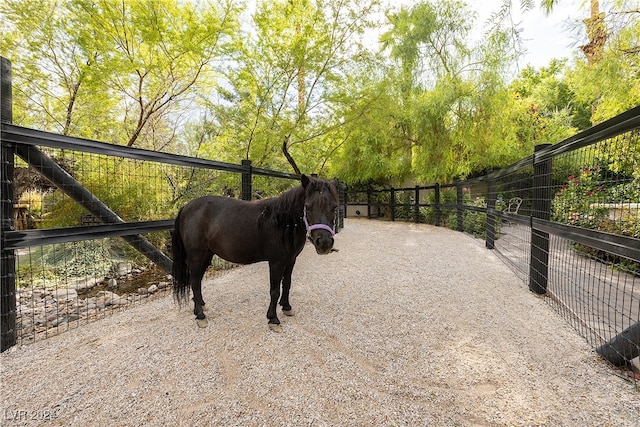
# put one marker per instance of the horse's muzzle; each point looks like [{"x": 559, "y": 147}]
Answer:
[{"x": 323, "y": 242}]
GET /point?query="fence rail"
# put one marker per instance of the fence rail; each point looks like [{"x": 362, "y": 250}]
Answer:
[
  {"x": 66, "y": 262},
  {"x": 566, "y": 219}
]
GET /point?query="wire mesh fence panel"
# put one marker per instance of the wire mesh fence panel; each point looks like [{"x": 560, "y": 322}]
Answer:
[
  {"x": 265, "y": 186},
  {"x": 598, "y": 299},
  {"x": 514, "y": 200},
  {"x": 597, "y": 188},
  {"x": 429, "y": 210},
  {"x": 63, "y": 285},
  {"x": 567, "y": 221},
  {"x": 81, "y": 274}
]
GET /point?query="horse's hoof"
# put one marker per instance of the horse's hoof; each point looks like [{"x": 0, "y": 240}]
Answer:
[
  {"x": 288, "y": 312},
  {"x": 202, "y": 323},
  {"x": 275, "y": 328}
]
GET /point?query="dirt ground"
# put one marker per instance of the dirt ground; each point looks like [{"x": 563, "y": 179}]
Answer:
[{"x": 406, "y": 325}]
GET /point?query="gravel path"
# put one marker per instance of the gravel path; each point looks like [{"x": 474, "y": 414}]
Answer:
[{"x": 406, "y": 325}]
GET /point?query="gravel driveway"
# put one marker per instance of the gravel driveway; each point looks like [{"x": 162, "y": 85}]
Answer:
[{"x": 406, "y": 325}]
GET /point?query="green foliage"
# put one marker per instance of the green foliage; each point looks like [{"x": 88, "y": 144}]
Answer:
[
  {"x": 474, "y": 222},
  {"x": 290, "y": 90},
  {"x": 67, "y": 261},
  {"x": 611, "y": 85},
  {"x": 305, "y": 79},
  {"x": 448, "y": 196},
  {"x": 580, "y": 203},
  {"x": 549, "y": 110},
  {"x": 134, "y": 191},
  {"x": 112, "y": 71}
]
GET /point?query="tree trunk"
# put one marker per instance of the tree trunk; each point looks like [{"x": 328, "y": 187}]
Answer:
[{"x": 597, "y": 33}]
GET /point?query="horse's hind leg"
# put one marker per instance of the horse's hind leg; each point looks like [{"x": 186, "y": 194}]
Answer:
[
  {"x": 198, "y": 266},
  {"x": 286, "y": 286}
]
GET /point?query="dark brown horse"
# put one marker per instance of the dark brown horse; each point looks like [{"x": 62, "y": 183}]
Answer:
[{"x": 273, "y": 230}]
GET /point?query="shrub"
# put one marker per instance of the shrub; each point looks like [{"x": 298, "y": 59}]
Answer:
[{"x": 579, "y": 203}]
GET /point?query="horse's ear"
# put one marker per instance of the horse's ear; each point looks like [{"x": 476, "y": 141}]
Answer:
[
  {"x": 335, "y": 183},
  {"x": 305, "y": 180}
]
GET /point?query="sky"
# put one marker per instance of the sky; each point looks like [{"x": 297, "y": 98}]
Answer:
[{"x": 545, "y": 37}]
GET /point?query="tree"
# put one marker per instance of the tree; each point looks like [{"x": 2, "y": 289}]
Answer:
[
  {"x": 595, "y": 27},
  {"x": 453, "y": 97},
  {"x": 609, "y": 84},
  {"x": 55, "y": 86},
  {"x": 116, "y": 71},
  {"x": 158, "y": 51},
  {"x": 286, "y": 93},
  {"x": 612, "y": 86},
  {"x": 547, "y": 94}
]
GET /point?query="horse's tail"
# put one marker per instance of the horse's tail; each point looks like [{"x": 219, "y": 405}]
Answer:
[{"x": 179, "y": 271}]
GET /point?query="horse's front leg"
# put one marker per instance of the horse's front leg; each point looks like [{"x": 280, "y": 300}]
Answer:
[
  {"x": 286, "y": 286},
  {"x": 276, "y": 270}
]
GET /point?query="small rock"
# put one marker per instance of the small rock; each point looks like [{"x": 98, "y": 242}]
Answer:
[
  {"x": 84, "y": 283},
  {"x": 143, "y": 291},
  {"x": 109, "y": 294},
  {"x": 25, "y": 311},
  {"x": 59, "y": 321},
  {"x": 153, "y": 288},
  {"x": 162, "y": 285},
  {"x": 119, "y": 301},
  {"x": 112, "y": 283},
  {"x": 124, "y": 268}
]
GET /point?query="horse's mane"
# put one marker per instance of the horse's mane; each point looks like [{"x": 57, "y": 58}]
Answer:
[{"x": 283, "y": 211}]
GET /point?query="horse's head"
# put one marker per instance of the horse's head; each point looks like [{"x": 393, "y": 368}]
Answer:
[{"x": 320, "y": 212}]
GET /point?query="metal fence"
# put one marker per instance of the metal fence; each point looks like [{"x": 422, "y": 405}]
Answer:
[
  {"x": 566, "y": 219},
  {"x": 86, "y": 225}
]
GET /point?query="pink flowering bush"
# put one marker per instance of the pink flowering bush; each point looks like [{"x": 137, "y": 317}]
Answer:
[
  {"x": 577, "y": 201},
  {"x": 582, "y": 202}
]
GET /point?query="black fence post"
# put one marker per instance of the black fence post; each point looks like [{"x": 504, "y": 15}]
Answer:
[
  {"x": 539, "y": 262},
  {"x": 342, "y": 195},
  {"x": 416, "y": 202},
  {"x": 490, "y": 222},
  {"x": 436, "y": 199},
  {"x": 369, "y": 203},
  {"x": 247, "y": 183},
  {"x": 459, "y": 208},
  {"x": 7, "y": 257},
  {"x": 392, "y": 203}
]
